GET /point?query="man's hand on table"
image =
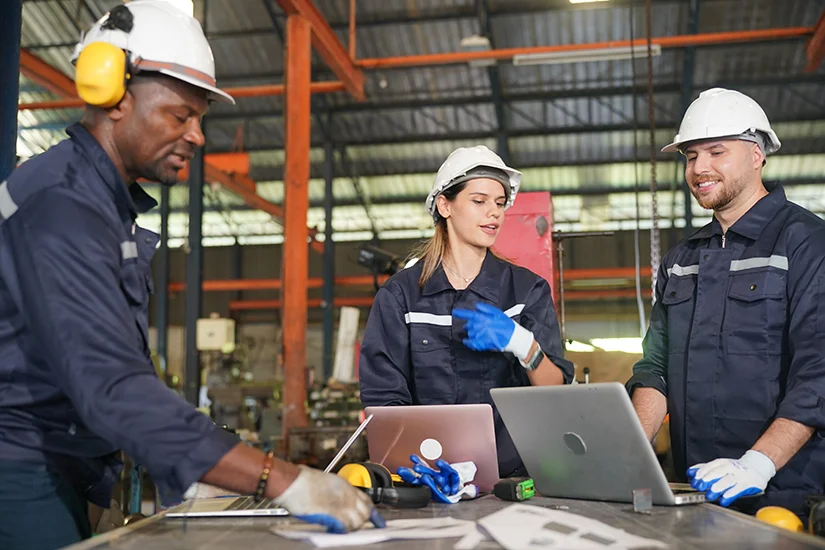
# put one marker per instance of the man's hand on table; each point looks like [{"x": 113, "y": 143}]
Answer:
[
  {"x": 328, "y": 500},
  {"x": 732, "y": 479}
]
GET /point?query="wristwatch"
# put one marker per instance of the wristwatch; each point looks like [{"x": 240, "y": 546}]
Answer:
[{"x": 533, "y": 362}]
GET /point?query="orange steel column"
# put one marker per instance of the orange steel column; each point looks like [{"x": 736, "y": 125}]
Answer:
[{"x": 295, "y": 263}]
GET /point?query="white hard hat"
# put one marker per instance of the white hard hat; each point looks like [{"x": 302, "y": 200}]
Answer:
[
  {"x": 163, "y": 39},
  {"x": 719, "y": 113},
  {"x": 464, "y": 160}
]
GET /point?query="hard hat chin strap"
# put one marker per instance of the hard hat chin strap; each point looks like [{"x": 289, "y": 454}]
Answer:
[{"x": 756, "y": 137}]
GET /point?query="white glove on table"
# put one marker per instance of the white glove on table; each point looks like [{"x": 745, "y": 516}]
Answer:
[
  {"x": 732, "y": 479},
  {"x": 328, "y": 500}
]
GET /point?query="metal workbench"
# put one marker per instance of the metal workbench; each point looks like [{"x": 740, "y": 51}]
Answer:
[{"x": 686, "y": 527}]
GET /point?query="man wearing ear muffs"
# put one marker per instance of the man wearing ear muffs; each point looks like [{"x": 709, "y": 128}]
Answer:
[{"x": 76, "y": 380}]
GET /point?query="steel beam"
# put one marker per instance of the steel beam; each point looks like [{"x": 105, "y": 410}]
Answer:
[
  {"x": 358, "y": 301},
  {"x": 486, "y": 134},
  {"x": 162, "y": 286},
  {"x": 368, "y": 280},
  {"x": 295, "y": 262},
  {"x": 366, "y": 301},
  {"x": 329, "y": 48},
  {"x": 237, "y": 275},
  {"x": 231, "y": 163},
  {"x": 584, "y": 192},
  {"x": 683, "y": 41},
  {"x": 10, "y": 28},
  {"x": 194, "y": 278},
  {"x": 240, "y": 185},
  {"x": 264, "y": 90},
  {"x": 43, "y": 74},
  {"x": 468, "y": 100},
  {"x": 329, "y": 258},
  {"x": 503, "y": 145},
  {"x": 687, "y": 94},
  {"x": 219, "y": 285},
  {"x": 815, "y": 49}
]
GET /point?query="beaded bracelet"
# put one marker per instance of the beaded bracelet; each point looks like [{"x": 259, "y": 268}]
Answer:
[{"x": 259, "y": 494}]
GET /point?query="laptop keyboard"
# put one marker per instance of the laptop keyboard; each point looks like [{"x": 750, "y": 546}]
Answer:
[{"x": 248, "y": 503}]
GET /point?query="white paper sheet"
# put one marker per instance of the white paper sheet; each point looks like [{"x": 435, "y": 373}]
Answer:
[
  {"x": 517, "y": 527},
  {"x": 526, "y": 527},
  {"x": 471, "y": 540},
  {"x": 399, "y": 529}
]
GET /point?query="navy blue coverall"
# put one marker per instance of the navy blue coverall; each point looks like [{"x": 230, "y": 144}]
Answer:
[
  {"x": 413, "y": 354},
  {"x": 76, "y": 380},
  {"x": 737, "y": 339}
]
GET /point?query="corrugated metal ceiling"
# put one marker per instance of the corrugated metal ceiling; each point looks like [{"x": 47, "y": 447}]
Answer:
[{"x": 565, "y": 137}]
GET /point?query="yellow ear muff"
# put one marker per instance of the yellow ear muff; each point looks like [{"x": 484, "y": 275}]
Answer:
[
  {"x": 357, "y": 475},
  {"x": 377, "y": 482},
  {"x": 101, "y": 74}
]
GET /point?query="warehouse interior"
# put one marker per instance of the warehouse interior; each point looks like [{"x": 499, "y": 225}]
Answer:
[{"x": 336, "y": 146}]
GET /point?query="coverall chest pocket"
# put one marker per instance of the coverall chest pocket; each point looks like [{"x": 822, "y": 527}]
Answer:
[
  {"x": 755, "y": 313},
  {"x": 431, "y": 358},
  {"x": 135, "y": 286},
  {"x": 679, "y": 298}
]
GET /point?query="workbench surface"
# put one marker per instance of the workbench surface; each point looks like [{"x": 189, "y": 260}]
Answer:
[{"x": 684, "y": 527}]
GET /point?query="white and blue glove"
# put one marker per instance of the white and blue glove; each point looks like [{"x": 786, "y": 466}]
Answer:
[
  {"x": 489, "y": 329},
  {"x": 732, "y": 479},
  {"x": 448, "y": 485},
  {"x": 328, "y": 500}
]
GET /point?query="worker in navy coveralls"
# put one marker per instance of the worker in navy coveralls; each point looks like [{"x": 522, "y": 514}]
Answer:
[
  {"x": 76, "y": 380},
  {"x": 735, "y": 351},
  {"x": 461, "y": 321}
]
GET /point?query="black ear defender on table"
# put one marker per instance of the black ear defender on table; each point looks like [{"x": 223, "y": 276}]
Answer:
[{"x": 376, "y": 481}]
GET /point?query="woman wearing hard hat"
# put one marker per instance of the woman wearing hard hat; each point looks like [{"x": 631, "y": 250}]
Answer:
[{"x": 461, "y": 321}]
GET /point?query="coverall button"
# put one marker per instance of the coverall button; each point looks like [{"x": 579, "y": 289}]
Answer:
[
  {"x": 425, "y": 342},
  {"x": 673, "y": 293},
  {"x": 148, "y": 240},
  {"x": 753, "y": 287},
  {"x": 706, "y": 257}
]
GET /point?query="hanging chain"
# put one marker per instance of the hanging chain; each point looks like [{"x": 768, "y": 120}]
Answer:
[{"x": 655, "y": 242}]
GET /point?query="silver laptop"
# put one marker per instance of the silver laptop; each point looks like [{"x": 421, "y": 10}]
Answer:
[
  {"x": 245, "y": 506},
  {"x": 585, "y": 442}
]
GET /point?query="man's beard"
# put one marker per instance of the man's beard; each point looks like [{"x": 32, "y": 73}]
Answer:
[{"x": 726, "y": 192}]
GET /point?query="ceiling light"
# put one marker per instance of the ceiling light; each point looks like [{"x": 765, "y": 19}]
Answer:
[
  {"x": 586, "y": 1},
  {"x": 477, "y": 43},
  {"x": 591, "y": 54}
]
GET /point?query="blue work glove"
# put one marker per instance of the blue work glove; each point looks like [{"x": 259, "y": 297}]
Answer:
[
  {"x": 328, "y": 500},
  {"x": 414, "y": 478},
  {"x": 732, "y": 479},
  {"x": 489, "y": 329},
  {"x": 446, "y": 478}
]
